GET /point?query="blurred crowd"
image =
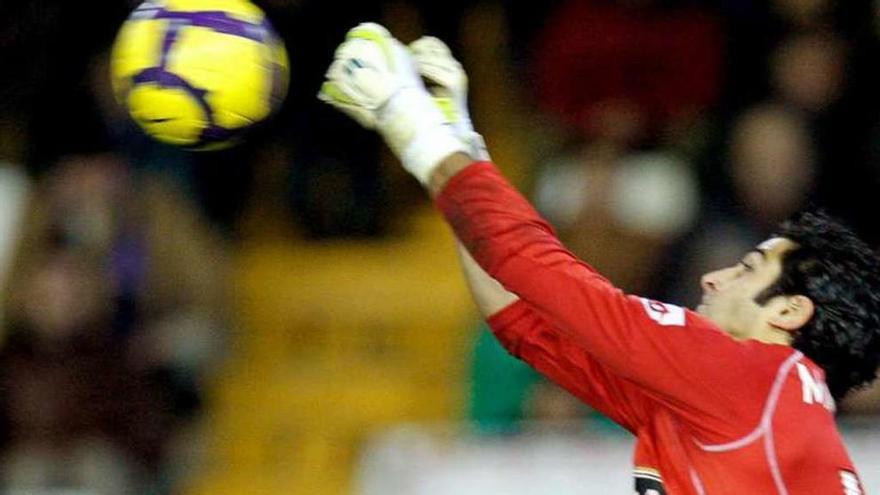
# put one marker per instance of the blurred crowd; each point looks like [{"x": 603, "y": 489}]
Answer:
[
  {"x": 113, "y": 309},
  {"x": 662, "y": 138}
]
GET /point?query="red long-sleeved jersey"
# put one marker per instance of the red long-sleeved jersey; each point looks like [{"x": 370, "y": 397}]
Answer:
[{"x": 712, "y": 415}]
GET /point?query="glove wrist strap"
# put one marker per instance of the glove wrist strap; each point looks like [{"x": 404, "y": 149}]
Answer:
[{"x": 417, "y": 132}]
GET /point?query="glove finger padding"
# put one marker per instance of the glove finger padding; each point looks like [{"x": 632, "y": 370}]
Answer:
[
  {"x": 375, "y": 81},
  {"x": 449, "y": 85},
  {"x": 369, "y": 67},
  {"x": 430, "y": 45},
  {"x": 337, "y": 95},
  {"x": 375, "y": 33},
  {"x": 437, "y": 65}
]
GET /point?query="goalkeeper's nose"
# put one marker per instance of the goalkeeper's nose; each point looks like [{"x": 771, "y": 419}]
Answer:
[{"x": 714, "y": 281}]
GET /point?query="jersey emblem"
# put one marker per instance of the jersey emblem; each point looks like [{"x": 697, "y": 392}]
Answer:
[
  {"x": 664, "y": 314},
  {"x": 813, "y": 389}
]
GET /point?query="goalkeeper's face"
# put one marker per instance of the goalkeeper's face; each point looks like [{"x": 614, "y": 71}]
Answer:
[{"x": 729, "y": 294}]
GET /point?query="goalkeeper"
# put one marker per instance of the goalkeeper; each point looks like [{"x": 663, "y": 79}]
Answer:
[{"x": 736, "y": 397}]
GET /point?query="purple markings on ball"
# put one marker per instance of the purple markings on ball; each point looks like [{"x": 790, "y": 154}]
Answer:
[
  {"x": 168, "y": 42},
  {"x": 212, "y": 133},
  {"x": 215, "y": 134},
  {"x": 168, "y": 80},
  {"x": 220, "y": 22}
]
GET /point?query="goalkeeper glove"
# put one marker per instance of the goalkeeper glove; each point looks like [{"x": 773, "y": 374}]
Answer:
[
  {"x": 373, "y": 80},
  {"x": 448, "y": 84}
]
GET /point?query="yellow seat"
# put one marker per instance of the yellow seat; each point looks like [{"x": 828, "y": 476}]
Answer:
[{"x": 336, "y": 341}]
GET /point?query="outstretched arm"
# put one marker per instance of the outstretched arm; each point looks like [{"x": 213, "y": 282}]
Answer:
[
  {"x": 514, "y": 323},
  {"x": 677, "y": 357},
  {"x": 489, "y": 296},
  {"x": 527, "y": 336}
]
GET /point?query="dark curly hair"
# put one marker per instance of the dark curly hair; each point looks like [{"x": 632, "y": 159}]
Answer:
[{"x": 841, "y": 275}]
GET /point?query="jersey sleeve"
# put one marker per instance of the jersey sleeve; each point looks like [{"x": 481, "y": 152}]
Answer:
[
  {"x": 679, "y": 358},
  {"x": 530, "y": 338}
]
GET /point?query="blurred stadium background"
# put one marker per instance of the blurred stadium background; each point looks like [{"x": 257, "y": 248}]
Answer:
[{"x": 288, "y": 317}]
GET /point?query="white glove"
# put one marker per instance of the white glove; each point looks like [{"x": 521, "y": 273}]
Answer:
[
  {"x": 448, "y": 83},
  {"x": 373, "y": 79}
]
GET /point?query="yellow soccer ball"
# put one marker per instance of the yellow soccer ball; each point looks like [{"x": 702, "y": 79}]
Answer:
[{"x": 197, "y": 73}]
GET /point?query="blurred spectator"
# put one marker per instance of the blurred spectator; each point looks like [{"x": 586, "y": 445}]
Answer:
[
  {"x": 808, "y": 70},
  {"x": 123, "y": 269},
  {"x": 772, "y": 164},
  {"x": 771, "y": 167},
  {"x": 162, "y": 256},
  {"x": 616, "y": 209},
  {"x": 804, "y": 14},
  {"x": 78, "y": 414},
  {"x": 815, "y": 72},
  {"x": 624, "y": 70},
  {"x": 754, "y": 30}
]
